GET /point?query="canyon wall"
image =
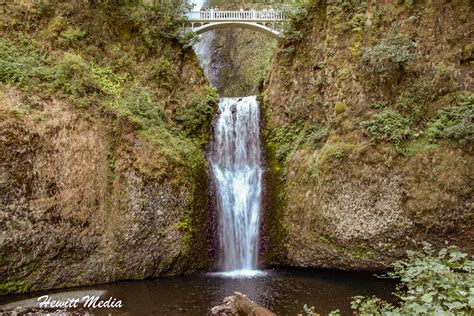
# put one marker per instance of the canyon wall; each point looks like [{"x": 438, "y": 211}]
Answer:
[
  {"x": 239, "y": 60},
  {"x": 369, "y": 133},
  {"x": 104, "y": 115}
]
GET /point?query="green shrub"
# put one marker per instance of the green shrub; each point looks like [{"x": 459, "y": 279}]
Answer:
[
  {"x": 357, "y": 22},
  {"x": 163, "y": 72},
  {"x": 57, "y": 25},
  {"x": 431, "y": 284},
  {"x": 292, "y": 32},
  {"x": 73, "y": 76},
  {"x": 388, "y": 126},
  {"x": 391, "y": 56},
  {"x": 377, "y": 105},
  {"x": 140, "y": 106},
  {"x": 408, "y": 4},
  {"x": 70, "y": 36},
  {"x": 162, "y": 20},
  {"x": 18, "y": 64},
  {"x": 412, "y": 106},
  {"x": 195, "y": 117},
  {"x": 455, "y": 122},
  {"x": 109, "y": 82}
]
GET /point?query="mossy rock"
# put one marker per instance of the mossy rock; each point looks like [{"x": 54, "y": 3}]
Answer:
[{"x": 339, "y": 108}]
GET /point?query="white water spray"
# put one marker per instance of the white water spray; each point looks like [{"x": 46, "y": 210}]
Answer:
[{"x": 236, "y": 164}]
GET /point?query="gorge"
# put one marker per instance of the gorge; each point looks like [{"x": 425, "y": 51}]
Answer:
[{"x": 341, "y": 146}]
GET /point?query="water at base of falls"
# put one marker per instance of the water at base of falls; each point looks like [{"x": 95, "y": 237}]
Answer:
[{"x": 236, "y": 164}]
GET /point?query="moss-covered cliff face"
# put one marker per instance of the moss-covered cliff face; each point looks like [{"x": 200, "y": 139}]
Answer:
[
  {"x": 104, "y": 114},
  {"x": 240, "y": 58},
  {"x": 369, "y": 125}
]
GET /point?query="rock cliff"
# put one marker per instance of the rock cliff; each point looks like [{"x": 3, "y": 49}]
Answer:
[
  {"x": 104, "y": 114},
  {"x": 369, "y": 133}
]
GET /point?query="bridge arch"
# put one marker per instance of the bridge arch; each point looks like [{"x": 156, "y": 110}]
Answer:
[
  {"x": 259, "y": 27},
  {"x": 264, "y": 21}
]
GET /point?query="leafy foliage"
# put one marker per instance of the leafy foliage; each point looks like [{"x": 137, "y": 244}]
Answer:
[
  {"x": 73, "y": 76},
  {"x": 290, "y": 137},
  {"x": 122, "y": 57},
  {"x": 389, "y": 57},
  {"x": 18, "y": 64},
  {"x": 455, "y": 122},
  {"x": 431, "y": 284},
  {"x": 388, "y": 126},
  {"x": 195, "y": 117},
  {"x": 108, "y": 81},
  {"x": 357, "y": 22},
  {"x": 70, "y": 36},
  {"x": 140, "y": 105},
  {"x": 161, "y": 20},
  {"x": 296, "y": 16}
]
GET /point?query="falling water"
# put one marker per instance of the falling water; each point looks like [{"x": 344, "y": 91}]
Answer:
[
  {"x": 203, "y": 47},
  {"x": 236, "y": 164}
]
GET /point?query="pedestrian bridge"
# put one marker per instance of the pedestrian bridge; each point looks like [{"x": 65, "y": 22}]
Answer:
[{"x": 262, "y": 21}]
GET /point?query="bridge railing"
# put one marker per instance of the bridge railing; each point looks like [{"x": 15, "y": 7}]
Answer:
[{"x": 268, "y": 15}]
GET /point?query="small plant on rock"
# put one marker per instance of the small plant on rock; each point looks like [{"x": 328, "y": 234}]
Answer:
[
  {"x": 388, "y": 126},
  {"x": 389, "y": 58},
  {"x": 454, "y": 122}
]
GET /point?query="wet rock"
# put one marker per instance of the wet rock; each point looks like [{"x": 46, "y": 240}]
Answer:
[{"x": 239, "y": 305}]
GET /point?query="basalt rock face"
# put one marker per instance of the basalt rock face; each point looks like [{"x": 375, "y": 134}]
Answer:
[
  {"x": 103, "y": 174},
  {"x": 77, "y": 208},
  {"x": 239, "y": 60},
  {"x": 356, "y": 133}
]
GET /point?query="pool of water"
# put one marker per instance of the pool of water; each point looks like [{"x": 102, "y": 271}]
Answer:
[{"x": 283, "y": 291}]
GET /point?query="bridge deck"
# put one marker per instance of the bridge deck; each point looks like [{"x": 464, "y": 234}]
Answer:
[{"x": 244, "y": 16}]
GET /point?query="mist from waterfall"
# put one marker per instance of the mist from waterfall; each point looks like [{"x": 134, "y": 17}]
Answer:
[{"x": 236, "y": 164}]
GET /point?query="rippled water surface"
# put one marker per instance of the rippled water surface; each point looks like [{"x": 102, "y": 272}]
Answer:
[{"x": 284, "y": 291}]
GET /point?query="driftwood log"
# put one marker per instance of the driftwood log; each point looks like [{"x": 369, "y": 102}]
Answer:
[{"x": 239, "y": 305}]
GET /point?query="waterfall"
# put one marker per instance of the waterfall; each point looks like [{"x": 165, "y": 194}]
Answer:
[
  {"x": 203, "y": 47},
  {"x": 236, "y": 164}
]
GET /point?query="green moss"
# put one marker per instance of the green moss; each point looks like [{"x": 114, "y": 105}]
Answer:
[
  {"x": 287, "y": 138},
  {"x": 343, "y": 74},
  {"x": 14, "y": 287},
  {"x": 275, "y": 196},
  {"x": 414, "y": 147},
  {"x": 185, "y": 223},
  {"x": 331, "y": 152},
  {"x": 339, "y": 108}
]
